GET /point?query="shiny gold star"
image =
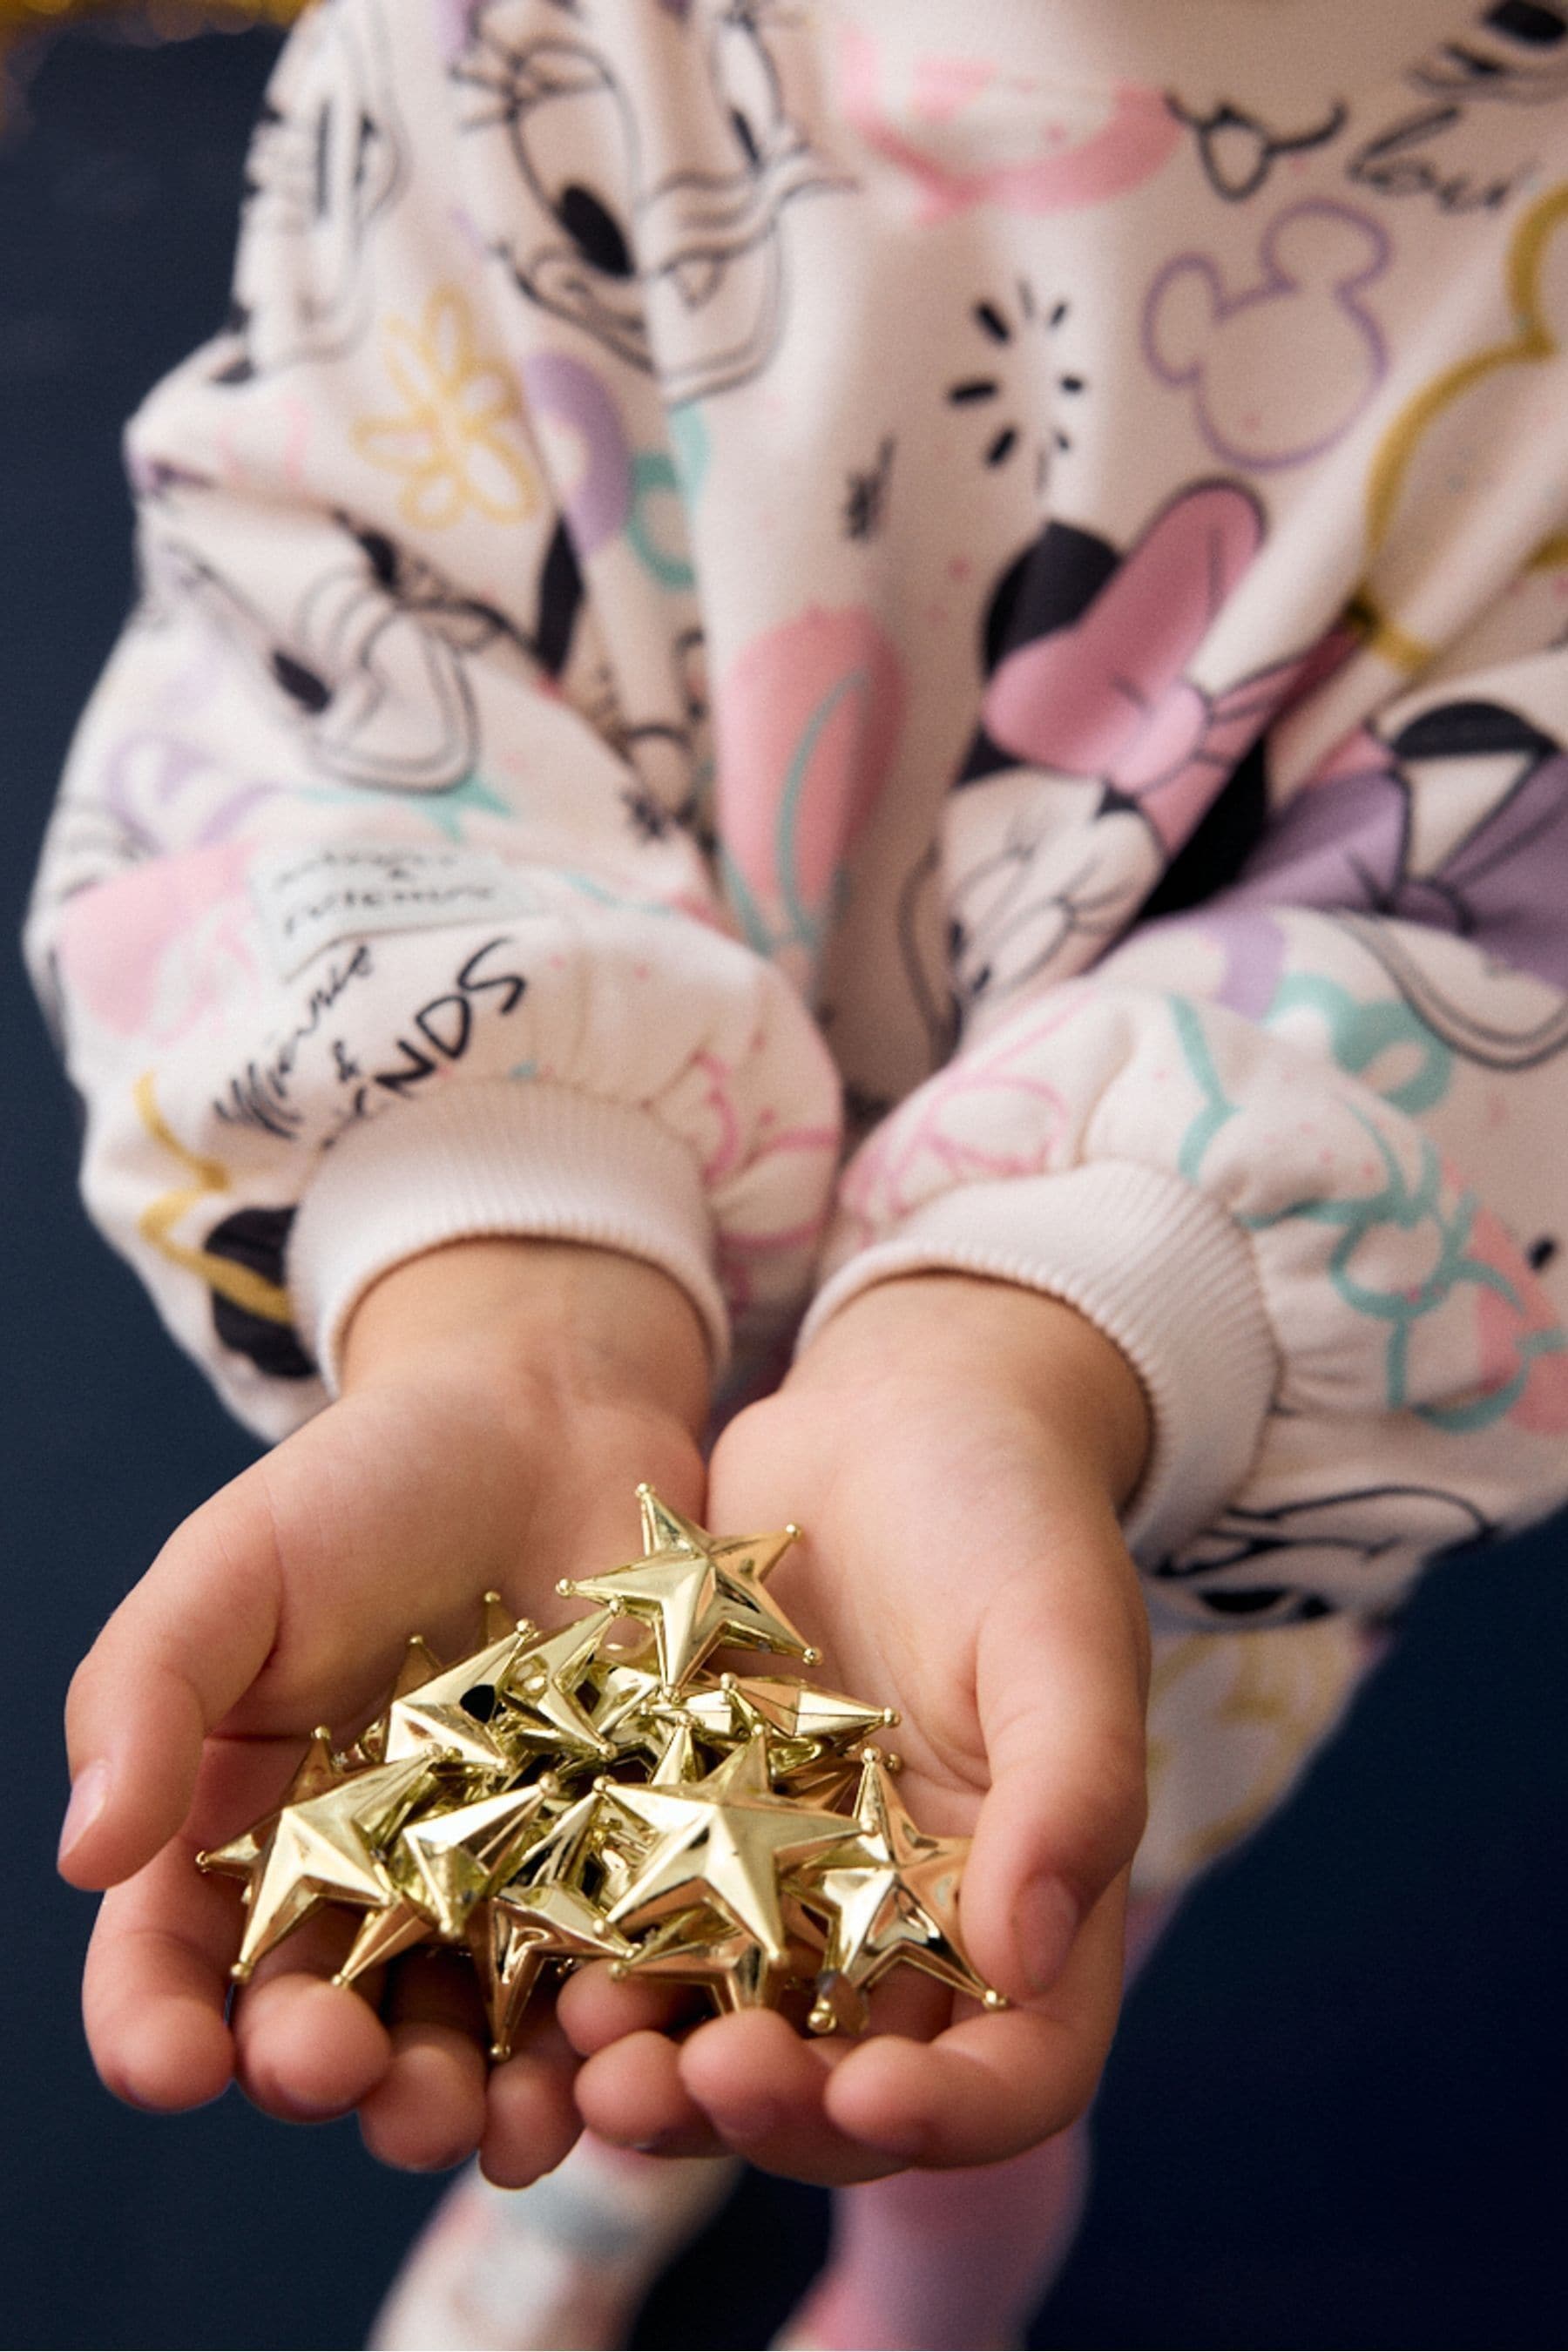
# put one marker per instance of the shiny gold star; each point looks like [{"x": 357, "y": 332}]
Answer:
[
  {"x": 317, "y": 1769},
  {"x": 385, "y": 1936},
  {"x": 699, "y": 1592},
  {"x": 540, "y": 1689},
  {"x": 327, "y": 1849},
  {"x": 703, "y": 1949},
  {"x": 888, "y": 1895},
  {"x": 451, "y": 1714},
  {"x": 720, "y": 1842},
  {"x": 448, "y": 1862},
  {"x": 803, "y": 1726},
  {"x": 678, "y": 1764},
  {"x": 622, "y": 1710},
  {"x": 542, "y": 1914}
]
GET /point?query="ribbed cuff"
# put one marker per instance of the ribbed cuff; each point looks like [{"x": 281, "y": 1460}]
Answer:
[
  {"x": 1158, "y": 1267},
  {"x": 495, "y": 1158}
]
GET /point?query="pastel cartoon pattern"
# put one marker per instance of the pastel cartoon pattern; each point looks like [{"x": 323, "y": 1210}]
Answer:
[
  {"x": 806, "y": 725},
  {"x": 1092, "y": 680},
  {"x": 1278, "y": 367},
  {"x": 1445, "y": 451},
  {"x": 735, "y": 565},
  {"x": 673, "y": 258},
  {"x": 327, "y": 164},
  {"x": 1068, "y": 157}
]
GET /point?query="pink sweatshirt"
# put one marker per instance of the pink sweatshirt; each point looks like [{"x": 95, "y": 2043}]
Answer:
[{"x": 1004, "y": 565}]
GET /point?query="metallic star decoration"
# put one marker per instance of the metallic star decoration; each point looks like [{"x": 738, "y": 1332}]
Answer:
[
  {"x": 540, "y": 1914},
  {"x": 446, "y": 1862},
  {"x": 703, "y": 1949},
  {"x": 720, "y": 1842},
  {"x": 803, "y": 1726},
  {"x": 328, "y": 1849},
  {"x": 888, "y": 1894},
  {"x": 317, "y": 1769},
  {"x": 698, "y": 1591},
  {"x": 592, "y": 1794},
  {"x": 451, "y": 1714},
  {"x": 540, "y": 1687}
]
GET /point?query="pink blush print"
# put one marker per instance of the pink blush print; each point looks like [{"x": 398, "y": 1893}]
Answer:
[
  {"x": 807, "y": 720},
  {"x": 1120, "y": 152},
  {"x": 1524, "y": 1350},
  {"x": 115, "y": 942}
]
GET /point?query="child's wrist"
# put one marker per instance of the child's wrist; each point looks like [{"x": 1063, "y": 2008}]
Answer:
[
  {"x": 595, "y": 1323},
  {"x": 970, "y": 1329}
]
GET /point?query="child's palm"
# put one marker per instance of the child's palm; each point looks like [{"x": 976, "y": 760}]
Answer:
[
  {"x": 286, "y": 1603},
  {"x": 962, "y": 1563}
]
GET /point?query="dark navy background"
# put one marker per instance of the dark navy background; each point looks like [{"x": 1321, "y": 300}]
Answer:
[{"x": 1336, "y": 2112}]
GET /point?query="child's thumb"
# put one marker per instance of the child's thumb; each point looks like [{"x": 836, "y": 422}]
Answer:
[
  {"x": 1060, "y": 1689},
  {"x": 176, "y": 1656}
]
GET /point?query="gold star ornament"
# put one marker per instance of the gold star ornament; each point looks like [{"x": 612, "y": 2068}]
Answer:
[
  {"x": 888, "y": 1894},
  {"x": 557, "y": 1799}
]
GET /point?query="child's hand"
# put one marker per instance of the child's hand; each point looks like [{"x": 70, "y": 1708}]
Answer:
[
  {"x": 956, "y": 1451},
  {"x": 501, "y": 1400}
]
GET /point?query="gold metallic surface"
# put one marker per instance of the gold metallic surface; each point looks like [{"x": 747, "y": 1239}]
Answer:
[
  {"x": 888, "y": 1894},
  {"x": 590, "y": 1795}
]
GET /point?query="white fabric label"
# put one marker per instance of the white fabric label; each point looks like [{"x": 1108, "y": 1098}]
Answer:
[{"x": 309, "y": 899}]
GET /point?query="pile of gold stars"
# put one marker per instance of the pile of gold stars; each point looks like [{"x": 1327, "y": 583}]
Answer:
[{"x": 558, "y": 1798}]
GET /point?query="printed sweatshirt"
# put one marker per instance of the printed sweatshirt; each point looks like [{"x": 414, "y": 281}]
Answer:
[{"x": 815, "y": 637}]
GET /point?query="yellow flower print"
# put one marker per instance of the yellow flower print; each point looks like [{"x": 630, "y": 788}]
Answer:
[{"x": 457, "y": 440}]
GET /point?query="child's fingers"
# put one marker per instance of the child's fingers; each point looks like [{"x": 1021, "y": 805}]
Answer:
[
  {"x": 157, "y": 1981},
  {"x": 155, "y": 1986},
  {"x": 990, "y": 2086},
  {"x": 596, "y": 2008},
  {"x": 631, "y": 2094},
  {"x": 427, "y": 2112},
  {"x": 762, "y": 2086},
  {"x": 1060, "y": 1694},
  {"x": 307, "y": 2049},
  {"x": 531, "y": 2121},
  {"x": 178, "y": 1654}
]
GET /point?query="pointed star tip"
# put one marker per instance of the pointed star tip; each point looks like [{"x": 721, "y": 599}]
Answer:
[
  {"x": 323, "y": 1731},
  {"x": 242, "y": 1972}
]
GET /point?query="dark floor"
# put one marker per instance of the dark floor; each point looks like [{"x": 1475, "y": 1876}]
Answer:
[{"x": 1335, "y": 2115}]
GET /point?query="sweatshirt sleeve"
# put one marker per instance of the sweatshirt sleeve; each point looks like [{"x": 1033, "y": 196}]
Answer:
[
  {"x": 368, "y": 918},
  {"x": 1300, "y": 1147}
]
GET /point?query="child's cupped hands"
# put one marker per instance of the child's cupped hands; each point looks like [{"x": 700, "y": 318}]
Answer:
[
  {"x": 500, "y": 1402},
  {"x": 957, "y": 1451}
]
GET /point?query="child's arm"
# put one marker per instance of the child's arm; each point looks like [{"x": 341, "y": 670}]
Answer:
[
  {"x": 1301, "y": 1153},
  {"x": 364, "y": 926},
  {"x": 957, "y": 1451},
  {"x": 501, "y": 1400}
]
